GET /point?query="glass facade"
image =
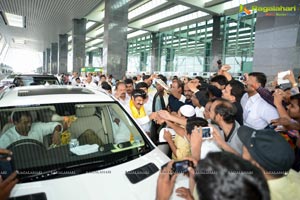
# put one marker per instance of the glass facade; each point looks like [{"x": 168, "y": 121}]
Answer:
[{"x": 187, "y": 50}]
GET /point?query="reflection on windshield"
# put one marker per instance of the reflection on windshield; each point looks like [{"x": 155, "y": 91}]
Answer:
[{"x": 62, "y": 136}]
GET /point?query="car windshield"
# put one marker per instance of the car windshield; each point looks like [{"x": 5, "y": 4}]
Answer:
[
  {"x": 64, "y": 139},
  {"x": 27, "y": 81}
]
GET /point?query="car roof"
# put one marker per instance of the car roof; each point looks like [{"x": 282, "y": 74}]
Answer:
[
  {"x": 35, "y": 95},
  {"x": 35, "y": 75}
]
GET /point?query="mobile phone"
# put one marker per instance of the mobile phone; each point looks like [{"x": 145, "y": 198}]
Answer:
[
  {"x": 280, "y": 77},
  {"x": 206, "y": 132},
  {"x": 182, "y": 166},
  {"x": 270, "y": 126}
]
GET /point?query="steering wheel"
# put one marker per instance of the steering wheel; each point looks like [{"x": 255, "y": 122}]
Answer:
[
  {"x": 26, "y": 153},
  {"x": 27, "y": 142}
]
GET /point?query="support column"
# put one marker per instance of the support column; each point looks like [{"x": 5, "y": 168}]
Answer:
[
  {"x": 217, "y": 43},
  {"x": 101, "y": 56},
  {"x": 115, "y": 37},
  {"x": 47, "y": 67},
  {"x": 156, "y": 52},
  {"x": 63, "y": 54},
  {"x": 143, "y": 61},
  {"x": 90, "y": 54},
  {"x": 44, "y": 62},
  {"x": 54, "y": 58},
  {"x": 78, "y": 44},
  {"x": 277, "y": 39},
  {"x": 170, "y": 59},
  {"x": 207, "y": 57}
]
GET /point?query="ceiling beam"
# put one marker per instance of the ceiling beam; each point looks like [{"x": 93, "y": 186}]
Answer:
[
  {"x": 214, "y": 3},
  {"x": 152, "y": 11},
  {"x": 200, "y": 5}
]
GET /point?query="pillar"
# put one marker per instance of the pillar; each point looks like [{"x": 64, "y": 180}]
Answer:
[
  {"x": 47, "y": 67},
  {"x": 217, "y": 43},
  {"x": 115, "y": 37},
  {"x": 90, "y": 54},
  {"x": 44, "y": 62},
  {"x": 78, "y": 44},
  {"x": 54, "y": 58},
  {"x": 170, "y": 59},
  {"x": 207, "y": 57},
  {"x": 143, "y": 60},
  {"x": 155, "y": 52},
  {"x": 63, "y": 54}
]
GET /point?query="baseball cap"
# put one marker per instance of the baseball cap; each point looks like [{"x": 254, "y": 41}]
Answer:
[
  {"x": 268, "y": 148},
  {"x": 187, "y": 110}
]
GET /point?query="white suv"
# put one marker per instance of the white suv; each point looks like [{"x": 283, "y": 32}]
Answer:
[{"x": 102, "y": 154}]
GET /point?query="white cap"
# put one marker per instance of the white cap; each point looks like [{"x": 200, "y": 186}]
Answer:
[{"x": 187, "y": 110}]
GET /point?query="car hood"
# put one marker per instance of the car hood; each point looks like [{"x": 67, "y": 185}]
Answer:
[{"x": 109, "y": 183}]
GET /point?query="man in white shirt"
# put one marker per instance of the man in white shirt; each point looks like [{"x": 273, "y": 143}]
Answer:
[
  {"x": 89, "y": 83},
  {"x": 257, "y": 113},
  {"x": 121, "y": 95},
  {"x": 24, "y": 129}
]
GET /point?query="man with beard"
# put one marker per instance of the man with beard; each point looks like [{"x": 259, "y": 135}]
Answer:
[
  {"x": 257, "y": 113},
  {"x": 222, "y": 112}
]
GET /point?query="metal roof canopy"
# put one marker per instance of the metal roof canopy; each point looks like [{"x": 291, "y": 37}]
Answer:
[{"x": 46, "y": 19}]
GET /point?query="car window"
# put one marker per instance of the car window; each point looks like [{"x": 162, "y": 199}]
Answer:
[
  {"x": 58, "y": 137},
  {"x": 27, "y": 81}
]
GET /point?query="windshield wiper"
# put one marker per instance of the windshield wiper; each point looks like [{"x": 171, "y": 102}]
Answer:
[{"x": 69, "y": 170}]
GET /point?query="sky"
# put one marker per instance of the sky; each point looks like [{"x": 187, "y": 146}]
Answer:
[{"x": 23, "y": 60}]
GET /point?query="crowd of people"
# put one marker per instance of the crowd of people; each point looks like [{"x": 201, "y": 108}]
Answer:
[
  {"x": 250, "y": 122},
  {"x": 254, "y": 149}
]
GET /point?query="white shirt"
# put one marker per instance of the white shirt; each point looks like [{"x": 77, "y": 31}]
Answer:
[
  {"x": 90, "y": 85},
  {"x": 37, "y": 132},
  {"x": 148, "y": 105},
  {"x": 182, "y": 99},
  {"x": 121, "y": 132},
  {"x": 257, "y": 112},
  {"x": 199, "y": 111},
  {"x": 125, "y": 102}
]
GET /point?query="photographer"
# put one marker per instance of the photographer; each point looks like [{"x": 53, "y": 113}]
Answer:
[{"x": 220, "y": 175}]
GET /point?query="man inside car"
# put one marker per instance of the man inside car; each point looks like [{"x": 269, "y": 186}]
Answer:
[{"x": 24, "y": 128}]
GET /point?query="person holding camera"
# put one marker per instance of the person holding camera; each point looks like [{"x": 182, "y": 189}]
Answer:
[
  {"x": 252, "y": 103},
  {"x": 221, "y": 175},
  {"x": 9, "y": 183}
]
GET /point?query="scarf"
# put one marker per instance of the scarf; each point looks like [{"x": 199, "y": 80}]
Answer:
[{"x": 135, "y": 113}]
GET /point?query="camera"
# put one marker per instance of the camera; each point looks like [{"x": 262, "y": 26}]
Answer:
[
  {"x": 285, "y": 86},
  {"x": 182, "y": 166}
]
